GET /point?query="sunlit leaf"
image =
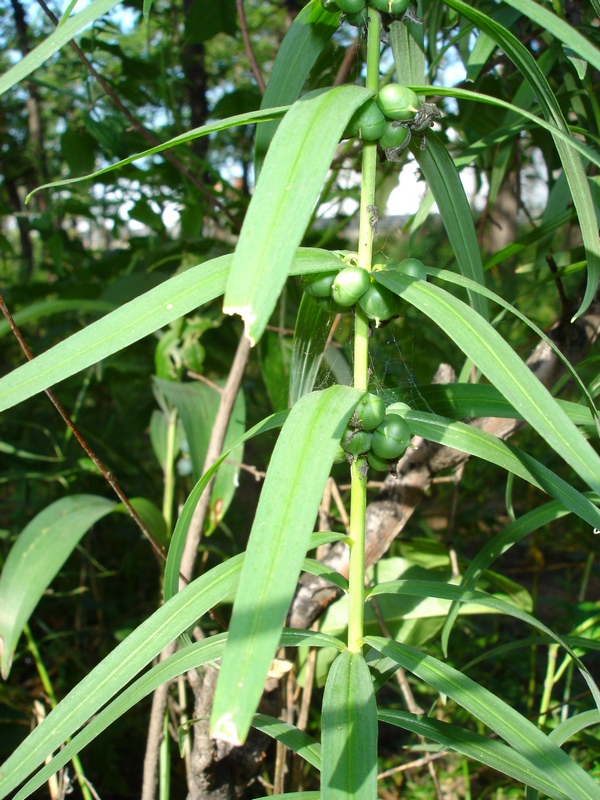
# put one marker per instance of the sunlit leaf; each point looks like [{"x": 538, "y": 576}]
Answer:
[
  {"x": 278, "y": 542},
  {"x": 349, "y": 731},
  {"x": 281, "y": 207}
]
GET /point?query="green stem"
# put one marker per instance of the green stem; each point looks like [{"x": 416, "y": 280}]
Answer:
[
  {"x": 49, "y": 689},
  {"x": 358, "y": 471},
  {"x": 169, "y": 474}
]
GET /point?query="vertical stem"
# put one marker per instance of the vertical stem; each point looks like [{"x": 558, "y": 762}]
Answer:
[{"x": 358, "y": 470}]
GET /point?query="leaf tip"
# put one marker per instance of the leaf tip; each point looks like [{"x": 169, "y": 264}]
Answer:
[
  {"x": 248, "y": 314},
  {"x": 226, "y": 730},
  {"x": 5, "y": 660}
]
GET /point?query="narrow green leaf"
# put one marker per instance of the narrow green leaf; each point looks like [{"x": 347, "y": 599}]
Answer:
[
  {"x": 501, "y": 365},
  {"x": 279, "y": 539},
  {"x": 192, "y": 657},
  {"x": 118, "y": 669},
  {"x": 461, "y": 400},
  {"x": 132, "y": 321},
  {"x": 297, "y": 740},
  {"x": 460, "y": 280},
  {"x": 54, "y": 42},
  {"x": 150, "y": 515},
  {"x": 36, "y": 557},
  {"x": 545, "y": 756},
  {"x": 49, "y": 307},
  {"x": 564, "y": 32},
  {"x": 484, "y": 46},
  {"x": 446, "y": 186},
  {"x": 173, "y": 565},
  {"x": 248, "y": 117},
  {"x": 349, "y": 731},
  {"x": 416, "y": 588},
  {"x": 408, "y": 49},
  {"x": 483, "y": 445},
  {"x": 570, "y": 160},
  {"x": 310, "y": 338},
  {"x": 314, "y": 567},
  {"x": 487, "y": 751},
  {"x": 283, "y": 202},
  {"x": 499, "y": 544},
  {"x": 570, "y": 727},
  {"x": 299, "y": 50}
]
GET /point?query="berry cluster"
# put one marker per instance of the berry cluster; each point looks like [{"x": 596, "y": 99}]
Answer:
[
  {"x": 339, "y": 291},
  {"x": 379, "y": 433},
  {"x": 356, "y": 10}
]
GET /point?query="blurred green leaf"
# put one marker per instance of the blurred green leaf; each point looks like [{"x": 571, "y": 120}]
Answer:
[{"x": 34, "y": 560}]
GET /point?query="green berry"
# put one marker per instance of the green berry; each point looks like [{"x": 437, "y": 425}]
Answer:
[
  {"x": 327, "y": 304},
  {"x": 330, "y": 5},
  {"x": 398, "y": 102},
  {"x": 413, "y": 267},
  {"x": 399, "y": 408},
  {"x": 379, "y": 304},
  {"x": 367, "y": 122},
  {"x": 351, "y": 6},
  {"x": 391, "y": 438},
  {"x": 369, "y": 412},
  {"x": 318, "y": 284},
  {"x": 394, "y": 7},
  {"x": 340, "y": 455},
  {"x": 356, "y": 442},
  {"x": 349, "y": 286},
  {"x": 394, "y": 135},
  {"x": 378, "y": 464},
  {"x": 359, "y": 19}
]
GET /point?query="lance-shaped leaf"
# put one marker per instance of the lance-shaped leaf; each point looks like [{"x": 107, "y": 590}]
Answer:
[
  {"x": 288, "y": 188},
  {"x": 132, "y": 321},
  {"x": 284, "y": 520},
  {"x": 499, "y": 544},
  {"x": 54, "y": 42},
  {"x": 484, "y": 445},
  {"x": 191, "y": 657},
  {"x": 566, "y": 776},
  {"x": 297, "y": 740},
  {"x": 482, "y": 748},
  {"x": 446, "y": 186},
  {"x": 301, "y": 46},
  {"x": 551, "y": 109},
  {"x": 118, "y": 669},
  {"x": 349, "y": 731},
  {"x": 36, "y": 557},
  {"x": 480, "y": 342},
  {"x": 457, "y": 593}
]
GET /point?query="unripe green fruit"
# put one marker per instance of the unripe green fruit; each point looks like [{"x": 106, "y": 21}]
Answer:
[
  {"x": 340, "y": 455},
  {"x": 398, "y": 102},
  {"x": 359, "y": 19},
  {"x": 349, "y": 286},
  {"x": 399, "y": 408},
  {"x": 379, "y": 464},
  {"x": 369, "y": 412},
  {"x": 327, "y": 304},
  {"x": 393, "y": 7},
  {"x": 393, "y": 136},
  {"x": 391, "y": 438},
  {"x": 318, "y": 284},
  {"x": 351, "y": 6},
  {"x": 413, "y": 267},
  {"x": 356, "y": 442},
  {"x": 367, "y": 122},
  {"x": 379, "y": 304},
  {"x": 330, "y": 5}
]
